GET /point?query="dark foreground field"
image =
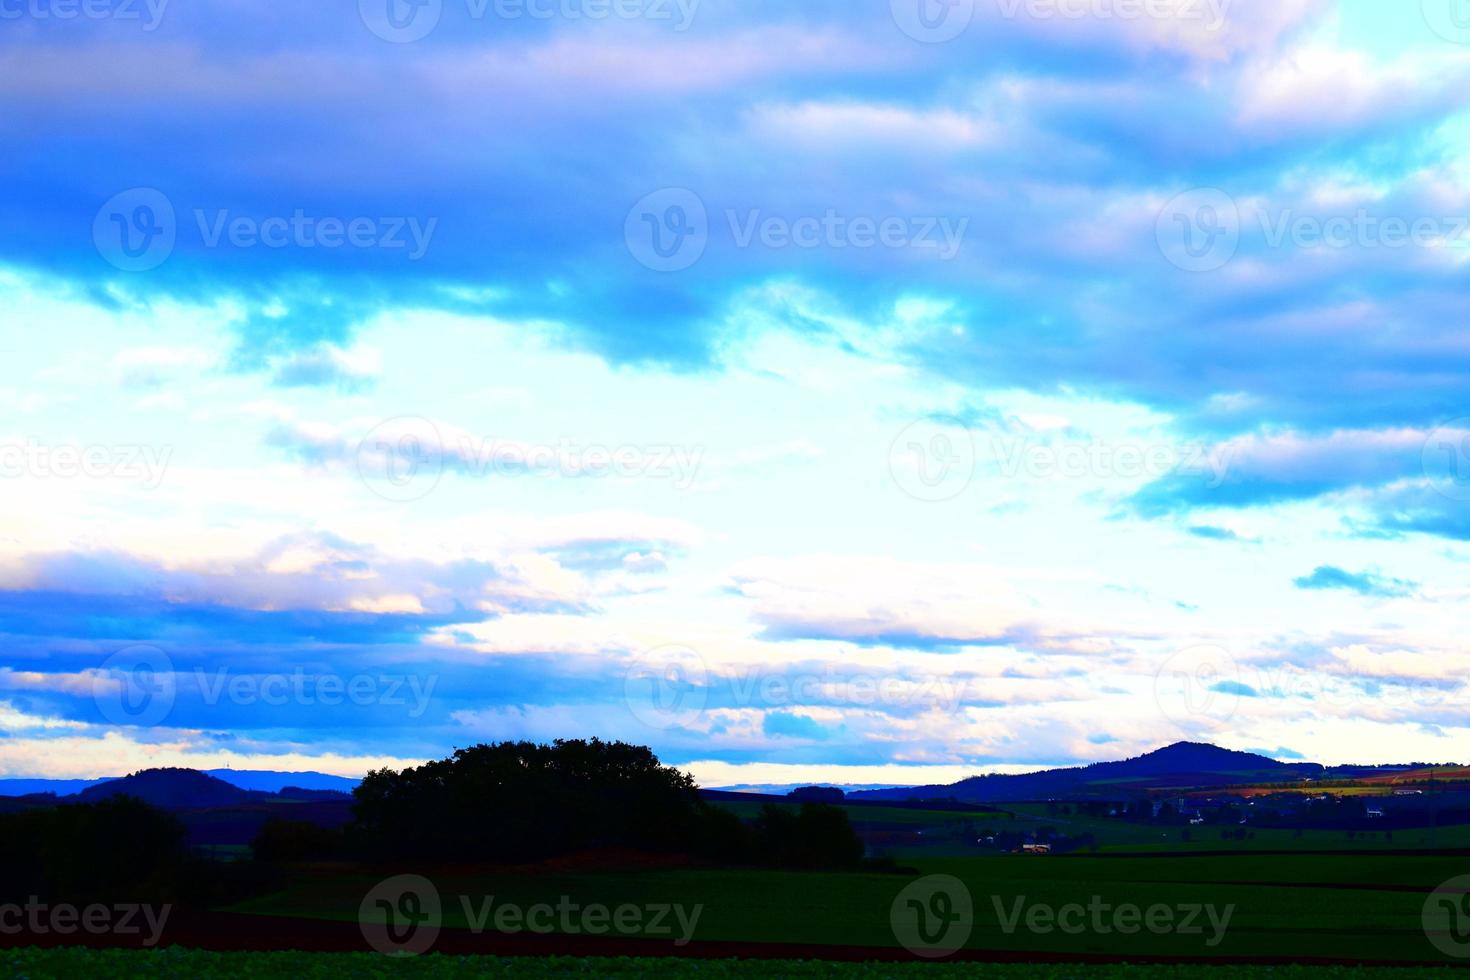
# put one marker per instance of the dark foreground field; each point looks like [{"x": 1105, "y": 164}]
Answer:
[
  {"x": 119, "y": 964},
  {"x": 1283, "y": 908},
  {"x": 1323, "y": 910}
]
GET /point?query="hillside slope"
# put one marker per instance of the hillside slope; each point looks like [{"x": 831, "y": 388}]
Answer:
[{"x": 1179, "y": 765}]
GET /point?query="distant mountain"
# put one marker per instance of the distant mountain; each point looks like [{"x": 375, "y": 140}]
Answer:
[
  {"x": 1184, "y": 764},
  {"x": 60, "y": 787},
  {"x": 782, "y": 789},
  {"x": 173, "y": 789},
  {"x": 264, "y": 781},
  {"x": 273, "y": 782}
]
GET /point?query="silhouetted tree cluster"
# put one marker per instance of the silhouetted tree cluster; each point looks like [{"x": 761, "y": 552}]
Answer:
[
  {"x": 815, "y": 837},
  {"x": 285, "y": 841},
  {"x": 518, "y": 801}
]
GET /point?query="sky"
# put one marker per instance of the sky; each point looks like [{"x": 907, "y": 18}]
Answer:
[{"x": 815, "y": 390}]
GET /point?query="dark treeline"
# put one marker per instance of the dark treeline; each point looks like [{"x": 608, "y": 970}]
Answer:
[
  {"x": 520, "y": 801},
  {"x": 115, "y": 850},
  {"x": 118, "y": 850},
  {"x": 508, "y": 803}
]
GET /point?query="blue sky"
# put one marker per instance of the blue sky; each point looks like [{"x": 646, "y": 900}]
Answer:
[{"x": 809, "y": 390}]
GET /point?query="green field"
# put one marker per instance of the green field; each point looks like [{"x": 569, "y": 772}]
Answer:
[
  {"x": 185, "y": 964},
  {"x": 910, "y": 835},
  {"x": 1363, "y": 908}
]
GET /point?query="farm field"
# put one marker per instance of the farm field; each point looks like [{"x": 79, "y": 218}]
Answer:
[
  {"x": 1364, "y": 908},
  {"x": 900, "y": 881},
  {"x": 175, "y": 963},
  {"x": 909, "y": 834}
]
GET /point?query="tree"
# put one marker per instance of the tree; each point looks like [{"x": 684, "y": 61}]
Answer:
[
  {"x": 296, "y": 840},
  {"x": 817, "y": 837},
  {"x": 520, "y": 800}
]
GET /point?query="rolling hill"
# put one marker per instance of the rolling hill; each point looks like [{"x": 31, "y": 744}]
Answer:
[
  {"x": 1184, "y": 764},
  {"x": 173, "y": 789},
  {"x": 263, "y": 780}
]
